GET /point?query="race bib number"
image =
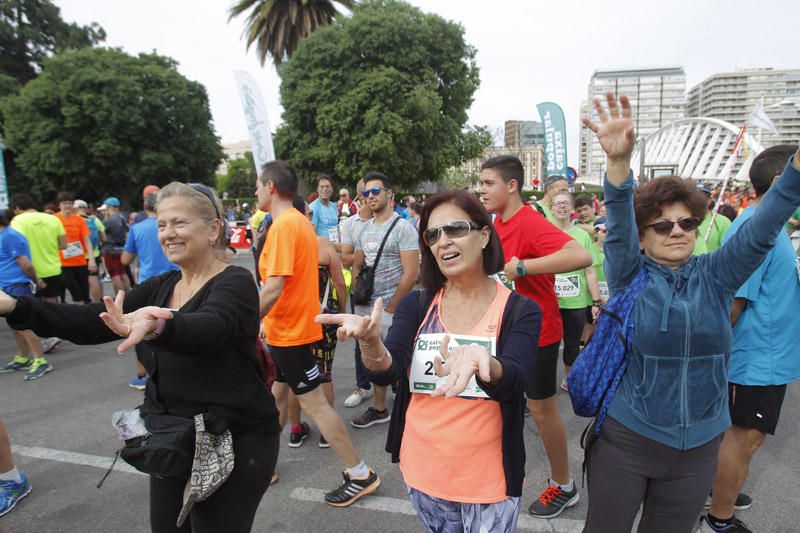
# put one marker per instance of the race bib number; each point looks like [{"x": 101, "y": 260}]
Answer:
[
  {"x": 568, "y": 286},
  {"x": 333, "y": 234},
  {"x": 502, "y": 278},
  {"x": 603, "y": 290},
  {"x": 73, "y": 249},
  {"x": 423, "y": 378}
]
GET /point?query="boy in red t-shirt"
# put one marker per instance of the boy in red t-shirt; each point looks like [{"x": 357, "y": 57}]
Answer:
[
  {"x": 77, "y": 259},
  {"x": 536, "y": 250}
]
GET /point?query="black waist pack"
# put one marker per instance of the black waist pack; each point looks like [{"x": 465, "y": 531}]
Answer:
[
  {"x": 364, "y": 285},
  {"x": 166, "y": 451}
]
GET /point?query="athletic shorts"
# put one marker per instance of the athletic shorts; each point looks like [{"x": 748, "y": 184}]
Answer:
[
  {"x": 324, "y": 350},
  {"x": 542, "y": 381},
  {"x": 19, "y": 289},
  {"x": 114, "y": 265},
  {"x": 54, "y": 288},
  {"x": 756, "y": 407},
  {"x": 76, "y": 281},
  {"x": 296, "y": 367}
]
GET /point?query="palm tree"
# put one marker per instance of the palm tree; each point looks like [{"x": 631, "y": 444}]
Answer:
[{"x": 278, "y": 26}]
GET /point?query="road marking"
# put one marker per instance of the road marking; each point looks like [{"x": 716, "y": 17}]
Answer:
[
  {"x": 398, "y": 506},
  {"x": 74, "y": 458}
]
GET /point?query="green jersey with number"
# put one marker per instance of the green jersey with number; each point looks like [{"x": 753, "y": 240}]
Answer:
[{"x": 571, "y": 287}]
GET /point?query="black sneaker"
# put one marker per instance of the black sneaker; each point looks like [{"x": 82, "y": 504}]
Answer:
[
  {"x": 734, "y": 526},
  {"x": 352, "y": 489},
  {"x": 296, "y": 439},
  {"x": 323, "y": 443},
  {"x": 743, "y": 501},
  {"x": 553, "y": 501}
]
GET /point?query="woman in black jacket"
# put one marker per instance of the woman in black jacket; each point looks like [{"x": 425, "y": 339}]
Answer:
[{"x": 199, "y": 327}]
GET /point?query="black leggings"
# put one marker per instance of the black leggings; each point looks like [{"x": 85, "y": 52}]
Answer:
[
  {"x": 574, "y": 320},
  {"x": 627, "y": 471},
  {"x": 233, "y": 506}
]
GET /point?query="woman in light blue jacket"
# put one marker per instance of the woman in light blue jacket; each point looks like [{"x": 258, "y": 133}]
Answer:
[{"x": 659, "y": 443}]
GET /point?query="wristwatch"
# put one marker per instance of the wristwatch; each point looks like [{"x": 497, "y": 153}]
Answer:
[{"x": 521, "y": 269}]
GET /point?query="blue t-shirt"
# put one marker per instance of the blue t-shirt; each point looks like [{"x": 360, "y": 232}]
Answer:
[
  {"x": 13, "y": 244},
  {"x": 143, "y": 241},
  {"x": 324, "y": 218},
  {"x": 766, "y": 344}
]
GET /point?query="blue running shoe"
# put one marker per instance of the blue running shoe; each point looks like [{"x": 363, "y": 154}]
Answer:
[
  {"x": 12, "y": 492},
  {"x": 39, "y": 368},
  {"x": 18, "y": 363},
  {"x": 137, "y": 382}
]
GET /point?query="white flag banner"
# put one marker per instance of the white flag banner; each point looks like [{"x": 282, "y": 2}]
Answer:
[
  {"x": 257, "y": 121},
  {"x": 759, "y": 119}
]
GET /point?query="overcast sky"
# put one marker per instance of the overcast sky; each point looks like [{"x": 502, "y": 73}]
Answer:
[{"x": 528, "y": 52}]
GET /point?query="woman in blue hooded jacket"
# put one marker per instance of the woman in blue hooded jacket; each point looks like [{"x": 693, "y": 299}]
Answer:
[{"x": 659, "y": 444}]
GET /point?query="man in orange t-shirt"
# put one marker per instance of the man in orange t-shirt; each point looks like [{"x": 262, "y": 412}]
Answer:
[
  {"x": 74, "y": 265},
  {"x": 289, "y": 304}
]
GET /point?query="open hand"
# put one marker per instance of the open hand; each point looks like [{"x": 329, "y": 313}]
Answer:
[
  {"x": 615, "y": 131},
  {"x": 360, "y": 327},
  {"x": 459, "y": 365},
  {"x": 135, "y": 326}
]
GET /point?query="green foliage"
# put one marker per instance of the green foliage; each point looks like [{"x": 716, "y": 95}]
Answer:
[
  {"x": 99, "y": 121},
  {"x": 278, "y": 26},
  {"x": 31, "y": 30},
  {"x": 240, "y": 180},
  {"x": 386, "y": 89}
]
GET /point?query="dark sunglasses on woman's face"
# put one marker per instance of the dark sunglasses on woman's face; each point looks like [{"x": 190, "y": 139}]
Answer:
[
  {"x": 375, "y": 191},
  {"x": 454, "y": 229},
  {"x": 664, "y": 227}
]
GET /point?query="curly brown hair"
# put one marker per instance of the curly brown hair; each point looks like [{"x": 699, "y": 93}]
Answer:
[{"x": 650, "y": 197}]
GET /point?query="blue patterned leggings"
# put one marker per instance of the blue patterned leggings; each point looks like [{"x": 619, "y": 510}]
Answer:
[{"x": 444, "y": 516}]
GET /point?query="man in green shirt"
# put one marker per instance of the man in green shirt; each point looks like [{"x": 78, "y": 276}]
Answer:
[{"x": 718, "y": 230}]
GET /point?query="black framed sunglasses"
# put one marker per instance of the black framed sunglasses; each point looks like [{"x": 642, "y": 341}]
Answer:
[
  {"x": 454, "y": 229},
  {"x": 664, "y": 227},
  {"x": 375, "y": 191}
]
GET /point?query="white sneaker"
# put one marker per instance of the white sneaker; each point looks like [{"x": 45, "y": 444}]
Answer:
[
  {"x": 357, "y": 396},
  {"x": 50, "y": 343}
]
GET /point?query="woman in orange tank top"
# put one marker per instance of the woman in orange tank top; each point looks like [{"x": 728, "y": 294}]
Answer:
[{"x": 462, "y": 351}]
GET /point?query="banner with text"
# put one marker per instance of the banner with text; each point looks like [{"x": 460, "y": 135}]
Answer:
[
  {"x": 257, "y": 121},
  {"x": 555, "y": 138}
]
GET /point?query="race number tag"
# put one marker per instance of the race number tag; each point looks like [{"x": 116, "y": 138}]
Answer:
[
  {"x": 73, "y": 249},
  {"x": 603, "y": 285},
  {"x": 502, "y": 278},
  {"x": 568, "y": 286},
  {"x": 333, "y": 234},
  {"x": 423, "y": 378}
]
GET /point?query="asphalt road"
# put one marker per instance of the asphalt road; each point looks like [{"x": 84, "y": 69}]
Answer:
[{"x": 62, "y": 436}]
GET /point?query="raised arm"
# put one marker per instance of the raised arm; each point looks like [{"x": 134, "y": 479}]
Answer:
[
  {"x": 741, "y": 255},
  {"x": 616, "y": 136}
]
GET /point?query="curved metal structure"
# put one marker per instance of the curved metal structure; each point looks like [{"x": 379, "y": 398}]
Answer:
[{"x": 698, "y": 148}]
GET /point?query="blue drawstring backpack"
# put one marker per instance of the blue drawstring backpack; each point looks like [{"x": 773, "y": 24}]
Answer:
[{"x": 594, "y": 377}]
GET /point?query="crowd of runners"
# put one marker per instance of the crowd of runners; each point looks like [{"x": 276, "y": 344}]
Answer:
[{"x": 460, "y": 306}]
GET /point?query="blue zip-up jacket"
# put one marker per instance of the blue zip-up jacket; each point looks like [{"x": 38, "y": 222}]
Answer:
[{"x": 674, "y": 390}]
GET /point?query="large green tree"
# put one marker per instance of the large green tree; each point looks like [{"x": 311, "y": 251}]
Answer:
[
  {"x": 278, "y": 26},
  {"x": 30, "y": 31},
  {"x": 386, "y": 89},
  {"x": 239, "y": 181},
  {"x": 99, "y": 121}
]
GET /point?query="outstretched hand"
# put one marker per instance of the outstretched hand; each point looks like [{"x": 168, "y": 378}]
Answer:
[
  {"x": 134, "y": 326},
  {"x": 360, "y": 327},
  {"x": 459, "y": 365},
  {"x": 615, "y": 131}
]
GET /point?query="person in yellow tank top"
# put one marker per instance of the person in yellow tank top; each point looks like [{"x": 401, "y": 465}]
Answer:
[{"x": 462, "y": 351}]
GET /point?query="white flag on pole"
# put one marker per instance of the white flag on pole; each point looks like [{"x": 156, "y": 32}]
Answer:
[
  {"x": 257, "y": 121},
  {"x": 759, "y": 119}
]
